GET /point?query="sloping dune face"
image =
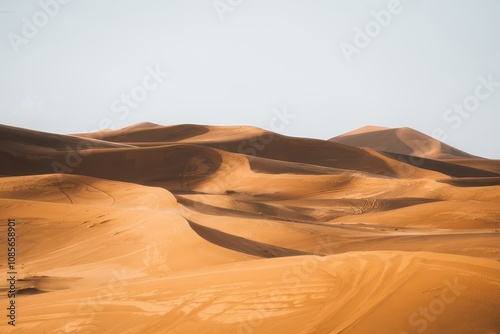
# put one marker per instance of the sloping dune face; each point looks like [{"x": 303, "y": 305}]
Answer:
[
  {"x": 401, "y": 140},
  {"x": 205, "y": 229}
]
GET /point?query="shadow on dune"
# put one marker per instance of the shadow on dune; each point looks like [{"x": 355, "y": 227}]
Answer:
[
  {"x": 473, "y": 181},
  {"x": 29, "y": 291},
  {"x": 441, "y": 166},
  {"x": 242, "y": 245}
]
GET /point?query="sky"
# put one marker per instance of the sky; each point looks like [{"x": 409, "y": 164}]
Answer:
[{"x": 323, "y": 67}]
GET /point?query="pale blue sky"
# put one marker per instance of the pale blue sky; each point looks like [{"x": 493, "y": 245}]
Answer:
[{"x": 236, "y": 63}]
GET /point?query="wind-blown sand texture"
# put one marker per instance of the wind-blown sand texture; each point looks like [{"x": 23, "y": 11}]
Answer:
[{"x": 206, "y": 229}]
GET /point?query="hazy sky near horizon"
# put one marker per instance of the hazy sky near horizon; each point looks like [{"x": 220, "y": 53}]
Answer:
[{"x": 74, "y": 66}]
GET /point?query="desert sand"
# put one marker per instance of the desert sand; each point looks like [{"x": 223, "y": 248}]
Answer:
[{"x": 207, "y": 229}]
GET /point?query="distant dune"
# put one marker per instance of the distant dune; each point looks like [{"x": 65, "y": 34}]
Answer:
[
  {"x": 212, "y": 229},
  {"x": 401, "y": 140}
]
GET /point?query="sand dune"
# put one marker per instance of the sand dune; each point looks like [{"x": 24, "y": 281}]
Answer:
[
  {"x": 401, "y": 141},
  {"x": 207, "y": 229},
  {"x": 257, "y": 143}
]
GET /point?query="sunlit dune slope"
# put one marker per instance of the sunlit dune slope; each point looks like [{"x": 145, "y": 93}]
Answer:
[{"x": 347, "y": 293}]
